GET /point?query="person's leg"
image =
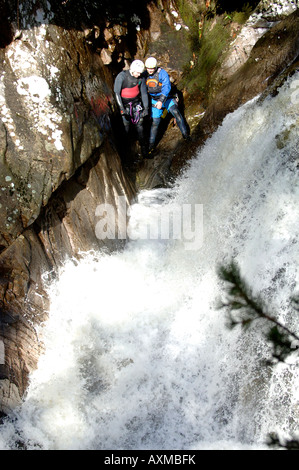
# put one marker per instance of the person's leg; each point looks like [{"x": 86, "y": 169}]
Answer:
[
  {"x": 156, "y": 118},
  {"x": 141, "y": 137},
  {"x": 174, "y": 110},
  {"x": 153, "y": 133},
  {"x": 126, "y": 123}
]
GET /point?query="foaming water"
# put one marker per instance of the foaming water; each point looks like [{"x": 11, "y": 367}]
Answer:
[{"x": 137, "y": 355}]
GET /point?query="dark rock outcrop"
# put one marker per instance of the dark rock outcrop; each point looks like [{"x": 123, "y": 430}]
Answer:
[{"x": 58, "y": 162}]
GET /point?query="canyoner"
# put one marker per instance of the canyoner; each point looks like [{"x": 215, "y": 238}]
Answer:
[
  {"x": 159, "y": 88},
  {"x": 132, "y": 99}
]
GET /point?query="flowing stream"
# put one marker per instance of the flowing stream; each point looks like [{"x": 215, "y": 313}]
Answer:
[{"x": 137, "y": 353}]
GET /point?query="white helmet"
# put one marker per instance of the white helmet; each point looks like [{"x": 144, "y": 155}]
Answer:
[
  {"x": 151, "y": 63},
  {"x": 137, "y": 66}
]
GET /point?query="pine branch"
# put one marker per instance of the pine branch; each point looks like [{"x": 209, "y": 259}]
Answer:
[
  {"x": 275, "y": 441},
  {"x": 244, "y": 309}
]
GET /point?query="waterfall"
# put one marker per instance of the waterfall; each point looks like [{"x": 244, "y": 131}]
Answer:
[{"x": 137, "y": 353}]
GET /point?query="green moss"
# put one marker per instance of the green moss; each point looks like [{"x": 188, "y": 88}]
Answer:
[
  {"x": 242, "y": 16},
  {"x": 191, "y": 14},
  {"x": 213, "y": 41},
  {"x": 209, "y": 35}
]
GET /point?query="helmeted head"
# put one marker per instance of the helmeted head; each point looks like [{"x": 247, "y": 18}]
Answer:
[
  {"x": 151, "y": 63},
  {"x": 137, "y": 66}
]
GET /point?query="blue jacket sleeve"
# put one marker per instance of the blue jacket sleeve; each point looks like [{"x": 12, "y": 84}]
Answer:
[{"x": 166, "y": 85}]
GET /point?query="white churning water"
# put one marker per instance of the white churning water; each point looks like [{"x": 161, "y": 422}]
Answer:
[{"x": 137, "y": 354}]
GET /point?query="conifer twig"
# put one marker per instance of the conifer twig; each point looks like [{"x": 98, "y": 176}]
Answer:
[{"x": 243, "y": 309}]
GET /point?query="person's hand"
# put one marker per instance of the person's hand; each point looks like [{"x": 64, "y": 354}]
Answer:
[
  {"x": 125, "y": 114},
  {"x": 159, "y": 104}
]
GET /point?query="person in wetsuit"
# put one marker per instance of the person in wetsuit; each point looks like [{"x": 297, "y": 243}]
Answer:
[
  {"x": 132, "y": 99},
  {"x": 159, "y": 87}
]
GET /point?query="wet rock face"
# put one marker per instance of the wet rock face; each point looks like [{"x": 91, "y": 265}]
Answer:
[
  {"x": 56, "y": 95},
  {"x": 265, "y": 16},
  {"x": 276, "y": 50},
  {"x": 57, "y": 164},
  {"x": 54, "y": 111}
]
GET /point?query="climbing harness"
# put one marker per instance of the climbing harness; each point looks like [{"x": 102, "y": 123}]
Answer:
[{"x": 135, "y": 119}]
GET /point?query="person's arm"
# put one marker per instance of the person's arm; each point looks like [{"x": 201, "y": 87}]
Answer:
[
  {"x": 144, "y": 96},
  {"x": 166, "y": 87},
  {"x": 117, "y": 90}
]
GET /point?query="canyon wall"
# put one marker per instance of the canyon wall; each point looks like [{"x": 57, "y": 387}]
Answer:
[{"x": 58, "y": 163}]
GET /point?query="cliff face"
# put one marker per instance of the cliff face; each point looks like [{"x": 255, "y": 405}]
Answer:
[
  {"x": 60, "y": 151},
  {"x": 58, "y": 163}
]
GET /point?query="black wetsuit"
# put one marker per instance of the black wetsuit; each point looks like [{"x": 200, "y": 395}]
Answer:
[{"x": 132, "y": 99}]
